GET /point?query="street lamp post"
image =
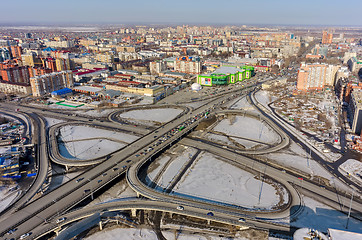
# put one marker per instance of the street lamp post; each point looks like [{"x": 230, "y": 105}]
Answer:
[{"x": 349, "y": 210}]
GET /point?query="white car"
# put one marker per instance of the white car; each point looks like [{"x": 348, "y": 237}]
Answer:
[
  {"x": 180, "y": 208},
  {"x": 25, "y": 235},
  {"x": 61, "y": 220}
]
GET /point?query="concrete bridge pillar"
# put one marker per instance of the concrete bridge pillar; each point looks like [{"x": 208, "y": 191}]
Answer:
[
  {"x": 171, "y": 214},
  {"x": 134, "y": 212},
  {"x": 57, "y": 230},
  {"x": 208, "y": 221},
  {"x": 66, "y": 168},
  {"x": 100, "y": 226},
  {"x": 138, "y": 195}
]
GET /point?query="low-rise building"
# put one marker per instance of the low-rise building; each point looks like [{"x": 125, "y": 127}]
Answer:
[{"x": 15, "y": 88}]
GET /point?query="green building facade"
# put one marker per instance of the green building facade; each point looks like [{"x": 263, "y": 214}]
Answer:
[{"x": 217, "y": 78}]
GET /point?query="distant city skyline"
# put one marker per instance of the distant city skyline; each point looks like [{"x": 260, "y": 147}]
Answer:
[{"x": 279, "y": 12}]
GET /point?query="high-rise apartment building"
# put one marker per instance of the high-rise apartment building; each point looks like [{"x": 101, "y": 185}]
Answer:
[
  {"x": 15, "y": 74},
  {"x": 157, "y": 67},
  {"x": 327, "y": 37},
  {"x": 45, "y": 84},
  {"x": 356, "y": 111},
  {"x": 187, "y": 64},
  {"x": 16, "y": 51},
  {"x": 4, "y": 54},
  {"x": 316, "y": 76}
]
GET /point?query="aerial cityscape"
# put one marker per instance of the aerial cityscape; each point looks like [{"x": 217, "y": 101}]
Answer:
[{"x": 192, "y": 120}]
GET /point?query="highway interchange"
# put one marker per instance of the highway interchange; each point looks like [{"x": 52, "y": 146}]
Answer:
[{"x": 39, "y": 216}]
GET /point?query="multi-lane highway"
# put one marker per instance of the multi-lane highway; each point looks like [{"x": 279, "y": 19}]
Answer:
[{"x": 39, "y": 216}]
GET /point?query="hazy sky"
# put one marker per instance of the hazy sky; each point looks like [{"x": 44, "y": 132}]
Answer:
[{"x": 303, "y": 12}]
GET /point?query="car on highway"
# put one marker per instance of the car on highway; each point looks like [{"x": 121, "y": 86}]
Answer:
[
  {"x": 210, "y": 214},
  {"x": 241, "y": 220},
  {"x": 104, "y": 174},
  {"x": 25, "y": 235},
  {"x": 79, "y": 179},
  {"x": 11, "y": 231},
  {"x": 180, "y": 208},
  {"x": 128, "y": 161},
  {"x": 115, "y": 169},
  {"x": 86, "y": 190},
  {"x": 100, "y": 180},
  {"x": 61, "y": 220}
]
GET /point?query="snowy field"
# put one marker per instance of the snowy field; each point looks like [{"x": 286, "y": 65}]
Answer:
[
  {"x": 247, "y": 127},
  {"x": 175, "y": 167},
  {"x": 52, "y": 121},
  {"x": 78, "y": 132},
  {"x": 295, "y": 157},
  {"x": 141, "y": 234},
  {"x": 118, "y": 192},
  {"x": 95, "y": 112},
  {"x": 195, "y": 105},
  {"x": 157, "y": 166},
  {"x": 321, "y": 217},
  {"x": 88, "y": 149},
  {"x": 242, "y": 104},
  {"x": 158, "y": 115},
  {"x": 212, "y": 179},
  {"x": 83, "y": 142},
  {"x": 7, "y": 196},
  {"x": 353, "y": 167},
  {"x": 264, "y": 97}
]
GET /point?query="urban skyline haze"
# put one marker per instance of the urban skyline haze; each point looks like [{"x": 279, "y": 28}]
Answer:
[{"x": 277, "y": 12}]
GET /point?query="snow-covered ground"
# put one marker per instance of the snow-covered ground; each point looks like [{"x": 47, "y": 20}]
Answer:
[
  {"x": 176, "y": 165},
  {"x": 352, "y": 167},
  {"x": 78, "y": 132},
  {"x": 243, "y": 104},
  {"x": 119, "y": 192},
  {"x": 88, "y": 149},
  {"x": 158, "y": 165},
  {"x": 295, "y": 157},
  {"x": 52, "y": 121},
  {"x": 321, "y": 217},
  {"x": 96, "y": 112},
  {"x": 212, "y": 179},
  {"x": 249, "y": 128},
  {"x": 7, "y": 196},
  {"x": 219, "y": 138},
  {"x": 194, "y": 105},
  {"x": 141, "y": 234},
  {"x": 159, "y": 115},
  {"x": 264, "y": 97},
  {"x": 83, "y": 142}
]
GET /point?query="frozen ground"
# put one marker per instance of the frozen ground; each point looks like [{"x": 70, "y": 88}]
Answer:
[
  {"x": 7, "y": 196},
  {"x": 52, "y": 121},
  {"x": 321, "y": 217},
  {"x": 159, "y": 115},
  {"x": 353, "y": 167},
  {"x": 212, "y": 179},
  {"x": 88, "y": 149},
  {"x": 247, "y": 127},
  {"x": 70, "y": 133}
]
